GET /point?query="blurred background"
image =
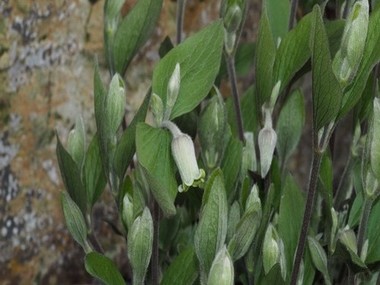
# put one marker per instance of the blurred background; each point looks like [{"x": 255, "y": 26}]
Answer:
[{"x": 47, "y": 50}]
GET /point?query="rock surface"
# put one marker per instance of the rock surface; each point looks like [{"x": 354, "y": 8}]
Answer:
[{"x": 47, "y": 50}]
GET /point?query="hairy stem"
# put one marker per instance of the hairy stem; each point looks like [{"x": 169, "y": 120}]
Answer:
[
  {"x": 235, "y": 94},
  {"x": 156, "y": 228},
  {"x": 316, "y": 164},
  {"x": 181, "y": 4},
  {"x": 366, "y": 210},
  {"x": 293, "y": 11}
]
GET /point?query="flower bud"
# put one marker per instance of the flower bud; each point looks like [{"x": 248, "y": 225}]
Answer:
[
  {"x": 184, "y": 156},
  {"x": 253, "y": 200},
  {"x": 140, "y": 242},
  {"x": 267, "y": 142},
  {"x": 222, "y": 269},
  {"x": 127, "y": 212},
  {"x": 274, "y": 94},
  {"x": 348, "y": 58},
  {"x": 233, "y": 18},
  {"x": 271, "y": 250},
  {"x": 76, "y": 142},
  {"x": 172, "y": 91},
  {"x": 212, "y": 126},
  {"x": 319, "y": 258},
  {"x": 157, "y": 108},
  {"x": 348, "y": 239},
  {"x": 249, "y": 161},
  {"x": 375, "y": 143},
  {"x": 114, "y": 104},
  {"x": 229, "y": 42}
]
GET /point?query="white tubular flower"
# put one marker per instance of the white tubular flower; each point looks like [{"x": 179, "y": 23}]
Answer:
[{"x": 184, "y": 156}]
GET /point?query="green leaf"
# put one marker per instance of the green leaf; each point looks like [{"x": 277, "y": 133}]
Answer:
[
  {"x": 327, "y": 93},
  {"x": 70, "y": 173},
  {"x": 293, "y": 52},
  {"x": 233, "y": 220},
  {"x": 126, "y": 146},
  {"x": 373, "y": 235},
  {"x": 75, "y": 221},
  {"x": 265, "y": 55},
  {"x": 103, "y": 268},
  {"x": 134, "y": 31},
  {"x": 183, "y": 270},
  {"x": 290, "y": 219},
  {"x": 212, "y": 228},
  {"x": 319, "y": 257},
  {"x": 278, "y": 14},
  {"x": 375, "y": 143},
  {"x": 371, "y": 56},
  {"x": 199, "y": 57},
  {"x": 290, "y": 125},
  {"x": 93, "y": 174},
  {"x": 140, "y": 244},
  {"x": 154, "y": 154},
  {"x": 231, "y": 165}
]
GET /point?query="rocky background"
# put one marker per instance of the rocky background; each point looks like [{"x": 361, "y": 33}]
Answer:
[{"x": 47, "y": 50}]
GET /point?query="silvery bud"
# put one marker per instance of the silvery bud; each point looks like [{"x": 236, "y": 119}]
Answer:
[
  {"x": 267, "y": 143},
  {"x": 222, "y": 269},
  {"x": 271, "y": 251},
  {"x": 112, "y": 13},
  {"x": 334, "y": 229},
  {"x": 375, "y": 143},
  {"x": 76, "y": 142},
  {"x": 157, "y": 108},
  {"x": 172, "y": 90},
  {"x": 253, "y": 200},
  {"x": 140, "y": 242},
  {"x": 184, "y": 156},
  {"x": 212, "y": 127},
  {"x": 249, "y": 161},
  {"x": 127, "y": 212},
  {"x": 348, "y": 58},
  {"x": 114, "y": 104},
  {"x": 232, "y": 18},
  {"x": 348, "y": 239}
]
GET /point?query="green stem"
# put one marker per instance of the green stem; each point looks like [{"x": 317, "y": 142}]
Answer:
[
  {"x": 366, "y": 210},
  {"x": 235, "y": 95},
  {"x": 181, "y": 4},
  {"x": 316, "y": 164}
]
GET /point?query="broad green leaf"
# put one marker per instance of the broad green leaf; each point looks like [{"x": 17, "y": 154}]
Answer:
[
  {"x": 222, "y": 269},
  {"x": 233, "y": 220},
  {"x": 319, "y": 257},
  {"x": 355, "y": 211},
  {"x": 212, "y": 228},
  {"x": 154, "y": 154},
  {"x": 103, "y": 268},
  {"x": 278, "y": 13},
  {"x": 75, "y": 221},
  {"x": 327, "y": 93},
  {"x": 199, "y": 57},
  {"x": 183, "y": 270},
  {"x": 293, "y": 52},
  {"x": 126, "y": 146},
  {"x": 290, "y": 219},
  {"x": 290, "y": 125},
  {"x": 140, "y": 244},
  {"x": 231, "y": 165},
  {"x": 93, "y": 174},
  {"x": 70, "y": 173},
  {"x": 133, "y": 32},
  {"x": 371, "y": 56},
  {"x": 265, "y": 55},
  {"x": 373, "y": 234}
]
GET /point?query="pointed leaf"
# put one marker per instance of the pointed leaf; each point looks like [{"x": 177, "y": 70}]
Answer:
[
  {"x": 183, "y": 270},
  {"x": 318, "y": 255},
  {"x": 103, "y": 268},
  {"x": 94, "y": 177},
  {"x": 74, "y": 220},
  {"x": 327, "y": 93},
  {"x": 290, "y": 125},
  {"x": 134, "y": 31},
  {"x": 199, "y": 58},
  {"x": 212, "y": 228},
  {"x": 154, "y": 154},
  {"x": 70, "y": 173}
]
